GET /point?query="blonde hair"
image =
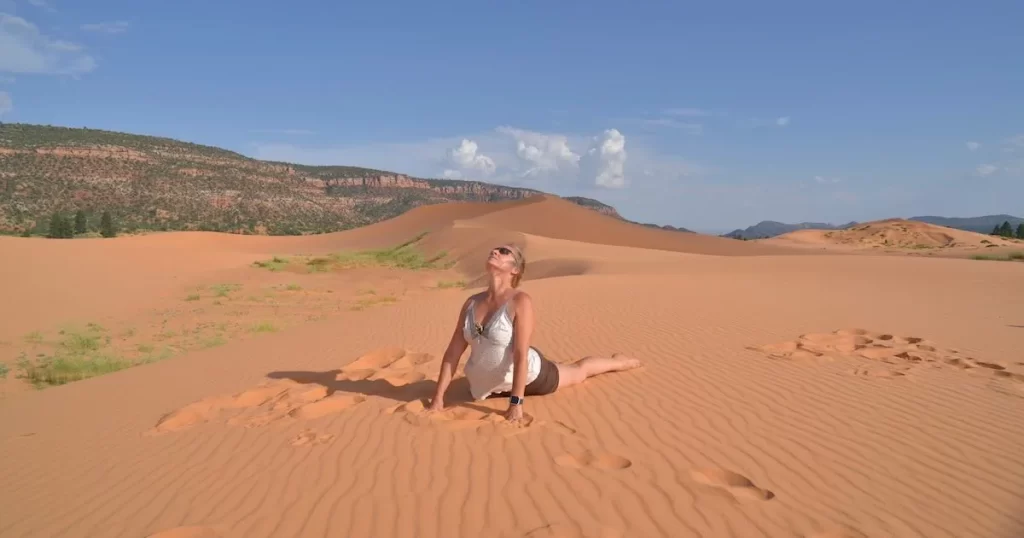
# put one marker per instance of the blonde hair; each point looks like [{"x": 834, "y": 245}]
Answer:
[{"x": 520, "y": 264}]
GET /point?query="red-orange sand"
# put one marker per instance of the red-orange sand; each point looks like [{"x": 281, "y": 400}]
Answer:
[
  {"x": 900, "y": 236},
  {"x": 784, "y": 393}
]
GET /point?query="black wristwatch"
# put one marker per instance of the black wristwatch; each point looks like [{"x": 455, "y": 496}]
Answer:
[{"x": 515, "y": 400}]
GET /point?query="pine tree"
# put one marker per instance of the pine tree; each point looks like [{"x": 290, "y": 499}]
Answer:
[
  {"x": 81, "y": 226},
  {"x": 65, "y": 227},
  {"x": 995, "y": 231},
  {"x": 56, "y": 226},
  {"x": 1020, "y": 231},
  {"x": 1005, "y": 230},
  {"x": 107, "y": 228}
]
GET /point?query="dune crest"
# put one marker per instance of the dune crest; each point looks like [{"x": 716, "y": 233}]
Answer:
[{"x": 895, "y": 235}]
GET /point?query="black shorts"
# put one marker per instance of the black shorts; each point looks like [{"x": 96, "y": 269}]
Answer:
[{"x": 546, "y": 382}]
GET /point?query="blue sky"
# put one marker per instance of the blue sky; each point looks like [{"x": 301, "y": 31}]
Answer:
[{"x": 706, "y": 115}]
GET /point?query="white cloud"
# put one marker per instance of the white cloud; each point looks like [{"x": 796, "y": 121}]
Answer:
[
  {"x": 113, "y": 27},
  {"x": 6, "y": 103},
  {"x": 826, "y": 180},
  {"x": 542, "y": 153},
  {"x": 973, "y": 146},
  {"x": 985, "y": 170},
  {"x": 606, "y": 160},
  {"x": 783, "y": 121},
  {"x": 467, "y": 158},
  {"x": 552, "y": 162},
  {"x": 26, "y": 50}
]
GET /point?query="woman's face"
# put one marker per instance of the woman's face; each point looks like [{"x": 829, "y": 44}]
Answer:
[{"x": 501, "y": 259}]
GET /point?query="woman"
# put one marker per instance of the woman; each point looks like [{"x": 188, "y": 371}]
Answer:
[{"x": 498, "y": 324}]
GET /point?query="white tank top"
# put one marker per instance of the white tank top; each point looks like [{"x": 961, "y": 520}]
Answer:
[{"x": 490, "y": 367}]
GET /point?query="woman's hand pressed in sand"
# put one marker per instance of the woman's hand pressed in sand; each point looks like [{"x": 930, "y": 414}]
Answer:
[
  {"x": 436, "y": 405},
  {"x": 514, "y": 413}
]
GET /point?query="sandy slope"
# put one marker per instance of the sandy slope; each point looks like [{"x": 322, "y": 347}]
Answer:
[
  {"x": 752, "y": 416},
  {"x": 898, "y": 236},
  {"x": 57, "y": 282}
]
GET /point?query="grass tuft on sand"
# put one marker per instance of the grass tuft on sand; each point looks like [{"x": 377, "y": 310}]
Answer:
[
  {"x": 223, "y": 290},
  {"x": 264, "y": 327},
  {"x": 1012, "y": 256},
  {"x": 403, "y": 256},
  {"x": 80, "y": 353},
  {"x": 363, "y": 304},
  {"x": 275, "y": 264}
]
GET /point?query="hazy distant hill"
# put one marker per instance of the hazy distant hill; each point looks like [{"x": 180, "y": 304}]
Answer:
[
  {"x": 770, "y": 228},
  {"x": 983, "y": 224},
  {"x": 154, "y": 183},
  {"x": 601, "y": 207},
  {"x": 591, "y": 203}
]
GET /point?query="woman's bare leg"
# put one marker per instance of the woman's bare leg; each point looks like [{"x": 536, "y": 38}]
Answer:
[{"x": 579, "y": 371}]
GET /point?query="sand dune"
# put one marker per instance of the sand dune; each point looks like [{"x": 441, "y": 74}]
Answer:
[
  {"x": 782, "y": 395},
  {"x": 898, "y": 235},
  {"x": 559, "y": 219},
  {"x": 90, "y": 278}
]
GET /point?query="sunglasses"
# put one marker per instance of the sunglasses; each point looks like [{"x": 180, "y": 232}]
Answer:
[{"x": 505, "y": 251}]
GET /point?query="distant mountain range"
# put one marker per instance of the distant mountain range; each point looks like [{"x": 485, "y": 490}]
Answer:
[
  {"x": 154, "y": 183},
  {"x": 769, "y": 228},
  {"x": 983, "y": 224}
]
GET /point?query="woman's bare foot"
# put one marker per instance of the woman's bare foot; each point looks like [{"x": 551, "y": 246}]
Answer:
[{"x": 628, "y": 363}]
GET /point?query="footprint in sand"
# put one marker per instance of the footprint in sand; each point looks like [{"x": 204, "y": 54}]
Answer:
[
  {"x": 377, "y": 359},
  {"x": 412, "y": 360},
  {"x": 394, "y": 365},
  {"x": 401, "y": 378},
  {"x": 452, "y": 418},
  {"x": 989, "y": 365},
  {"x": 188, "y": 416},
  {"x": 310, "y": 437},
  {"x": 793, "y": 351},
  {"x": 259, "y": 407},
  {"x": 591, "y": 459},
  {"x": 1019, "y": 378},
  {"x": 903, "y": 352},
  {"x": 880, "y": 373},
  {"x": 1016, "y": 380},
  {"x": 256, "y": 397},
  {"x": 739, "y": 486},
  {"x": 208, "y": 408},
  {"x": 482, "y": 420},
  {"x": 328, "y": 406},
  {"x": 356, "y": 375}
]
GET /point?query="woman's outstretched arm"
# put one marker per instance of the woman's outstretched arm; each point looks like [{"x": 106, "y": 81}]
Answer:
[
  {"x": 452, "y": 355},
  {"x": 523, "y": 323}
]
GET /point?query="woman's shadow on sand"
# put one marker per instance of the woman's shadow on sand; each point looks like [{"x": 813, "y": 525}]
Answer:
[{"x": 334, "y": 381}]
